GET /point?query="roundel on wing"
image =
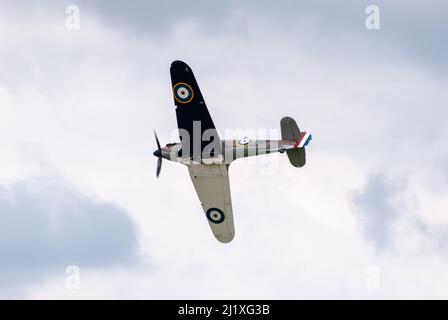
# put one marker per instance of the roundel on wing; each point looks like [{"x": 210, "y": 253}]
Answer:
[
  {"x": 182, "y": 92},
  {"x": 244, "y": 142},
  {"x": 215, "y": 215}
]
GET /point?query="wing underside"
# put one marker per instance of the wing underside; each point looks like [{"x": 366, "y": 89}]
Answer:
[{"x": 212, "y": 186}]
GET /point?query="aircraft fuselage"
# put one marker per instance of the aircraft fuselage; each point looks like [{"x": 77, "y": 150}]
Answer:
[{"x": 231, "y": 150}]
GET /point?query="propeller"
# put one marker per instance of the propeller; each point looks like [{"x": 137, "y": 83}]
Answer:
[{"x": 158, "y": 154}]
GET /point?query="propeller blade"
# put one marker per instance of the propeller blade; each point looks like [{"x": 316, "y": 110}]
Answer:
[
  {"x": 157, "y": 140},
  {"x": 159, "y": 167}
]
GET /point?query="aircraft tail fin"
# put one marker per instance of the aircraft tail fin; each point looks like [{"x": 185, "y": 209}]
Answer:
[{"x": 290, "y": 131}]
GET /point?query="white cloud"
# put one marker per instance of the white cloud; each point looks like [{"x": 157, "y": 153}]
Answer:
[{"x": 89, "y": 100}]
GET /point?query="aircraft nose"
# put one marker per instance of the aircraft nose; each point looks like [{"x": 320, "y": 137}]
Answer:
[{"x": 158, "y": 153}]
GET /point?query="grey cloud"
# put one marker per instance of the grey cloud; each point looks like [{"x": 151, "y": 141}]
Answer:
[
  {"x": 415, "y": 28},
  {"x": 436, "y": 235},
  {"x": 376, "y": 211},
  {"x": 46, "y": 224}
]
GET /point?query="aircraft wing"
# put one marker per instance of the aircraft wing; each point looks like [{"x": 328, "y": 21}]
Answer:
[
  {"x": 193, "y": 118},
  {"x": 212, "y": 186}
]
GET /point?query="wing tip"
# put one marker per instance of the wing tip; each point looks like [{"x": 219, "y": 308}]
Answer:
[
  {"x": 225, "y": 238},
  {"x": 179, "y": 64}
]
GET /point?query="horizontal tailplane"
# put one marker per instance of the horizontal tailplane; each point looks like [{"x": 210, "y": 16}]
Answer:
[{"x": 297, "y": 157}]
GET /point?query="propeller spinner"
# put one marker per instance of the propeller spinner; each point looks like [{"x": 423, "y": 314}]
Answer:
[{"x": 158, "y": 154}]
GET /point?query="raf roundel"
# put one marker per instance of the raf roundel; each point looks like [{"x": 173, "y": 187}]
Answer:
[
  {"x": 215, "y": 215},
  {"x": 183, "y": 92},
  {"x": 243, "y": 142}
]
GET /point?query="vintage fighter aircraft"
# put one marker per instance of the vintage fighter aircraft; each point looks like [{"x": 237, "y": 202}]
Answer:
[{"x": 208, "y": 157}]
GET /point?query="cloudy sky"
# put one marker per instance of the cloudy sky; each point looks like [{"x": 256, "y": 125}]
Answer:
[{"x": 367, "y": 217}]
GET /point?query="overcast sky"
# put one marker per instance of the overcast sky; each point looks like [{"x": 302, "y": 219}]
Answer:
[{"x": 367, "y": 217}]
